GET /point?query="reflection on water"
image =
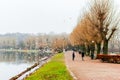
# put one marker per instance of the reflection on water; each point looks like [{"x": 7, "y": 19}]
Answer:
[
  {"x": 12, "y": 63},
  {"x": 19, "y": 57}
]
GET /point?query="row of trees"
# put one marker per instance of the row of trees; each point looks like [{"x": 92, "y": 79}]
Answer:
[
  {"x": 34, "y": 41},
  {"x": 60, "y": 42},
  {"x": 30, "y": 42},
  {"x": 6, "y": 42},
  {"x": 96, "y": 27}
]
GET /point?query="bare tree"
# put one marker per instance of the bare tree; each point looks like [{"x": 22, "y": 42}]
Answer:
[
  {"x": 98, "y": 24},
  {"x": 104, "y": 19}
]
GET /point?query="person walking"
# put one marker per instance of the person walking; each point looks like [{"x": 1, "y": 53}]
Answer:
[
  {"x": 79, "y": 52},
  {"x": 92, "y": 56},
  {"x": 73, "y": 56},
  {"x": 82, "y": 55}
]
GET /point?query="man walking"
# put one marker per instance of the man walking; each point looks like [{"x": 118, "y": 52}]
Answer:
[
  {"x": 82, "y": 55},
  {"x": 73, "y": 56}
]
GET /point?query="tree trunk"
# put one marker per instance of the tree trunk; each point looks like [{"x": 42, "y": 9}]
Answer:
[
  {"x": 98, "y": 48},
  {"x": 88, "y": 50},
  {"x": 92, "y": 50},
  {"x": 105, "y": 47},
  {"x": 84, "y": 48},
  {"x": 119, "y": 49}
]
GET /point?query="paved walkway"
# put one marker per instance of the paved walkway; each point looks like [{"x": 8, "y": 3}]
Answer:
[{"x": 91, "y": 69}]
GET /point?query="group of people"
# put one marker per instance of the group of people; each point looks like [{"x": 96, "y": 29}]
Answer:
[{"x": 80, "y": 52}]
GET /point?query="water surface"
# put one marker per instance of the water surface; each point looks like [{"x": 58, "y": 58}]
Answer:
[{"x": 13, "y": 63}]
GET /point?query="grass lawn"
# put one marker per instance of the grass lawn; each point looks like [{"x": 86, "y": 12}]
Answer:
[{"x": 53, "y": 70}]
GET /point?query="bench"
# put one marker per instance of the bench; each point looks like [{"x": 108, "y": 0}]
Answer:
[{"x": 109, "y": 58}]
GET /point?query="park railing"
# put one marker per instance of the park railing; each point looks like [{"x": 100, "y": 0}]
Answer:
[{"x": 114, "y": 58}]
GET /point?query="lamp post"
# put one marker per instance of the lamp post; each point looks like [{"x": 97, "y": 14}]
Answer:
[
  {"x": 92, "y": 50},
  {"x": 93, "y": 42}
]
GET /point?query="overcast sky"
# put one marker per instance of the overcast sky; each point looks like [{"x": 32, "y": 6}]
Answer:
[{"x": 40, "y": 16}]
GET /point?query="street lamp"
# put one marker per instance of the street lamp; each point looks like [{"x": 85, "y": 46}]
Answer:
[
  {"x": 92, "y": 50},
  {"x": 92, "y": 41}
]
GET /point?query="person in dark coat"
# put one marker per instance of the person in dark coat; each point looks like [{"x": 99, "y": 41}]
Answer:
[
  {"x": 79, "y": 52},
  {"x": 73, "y": 56},
  {"x": 92, "y": 56},
  {"x": 82, "y": 55}
]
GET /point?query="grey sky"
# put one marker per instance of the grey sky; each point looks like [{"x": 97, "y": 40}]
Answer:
[{"x": 39, "y": 16}]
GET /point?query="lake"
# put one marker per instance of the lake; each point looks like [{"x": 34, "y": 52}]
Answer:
[{"x": 13, "y": 63}]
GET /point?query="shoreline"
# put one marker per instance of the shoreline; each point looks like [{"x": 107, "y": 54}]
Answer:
[{"x": 24, "y": 73}]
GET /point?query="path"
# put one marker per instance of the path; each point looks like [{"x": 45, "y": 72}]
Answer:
[{"x": 91, "y": 69}]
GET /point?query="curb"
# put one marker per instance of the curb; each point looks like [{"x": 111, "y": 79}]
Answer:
[{"x": 71, "y": 73}]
